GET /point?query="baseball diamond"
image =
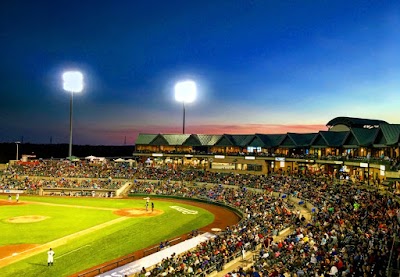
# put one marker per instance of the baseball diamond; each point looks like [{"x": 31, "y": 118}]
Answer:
[{"x": 99, "y": 230}]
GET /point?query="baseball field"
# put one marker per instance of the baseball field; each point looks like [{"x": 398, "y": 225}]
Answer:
[{"x": 86, "y": 232}]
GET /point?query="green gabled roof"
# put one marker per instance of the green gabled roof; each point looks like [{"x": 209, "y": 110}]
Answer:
[
  {"x": 159, "y": 141},
  {"x": 334, "y": 139},
  {"x": 385, "y": 135},
  {"x": 235, "y": 140},
  {"x": 319, "y": 141},
  {"x": 380, "y": 140},
  {"x": 391, "y": 133},
  {"x": 257, "y": 142},
  {"x": 302, "y": 140},
  {"x": 351, "y": 141},
  {"x": 145, "y": 139},
  {"x": 225, "y": 140},
  {"x": 353, "y": 122},
  {"x": 174, "y": 139},
  {"x": 242, "y": 140},
  {"x": 272, "y": 140},
  {"x": 360, "y": 137},
  {"x": 288, "y": 142},
  {"x": 192, "y": 140},
  {"x": 208, "y": 140},
  {"x": 365, "y": 136}
]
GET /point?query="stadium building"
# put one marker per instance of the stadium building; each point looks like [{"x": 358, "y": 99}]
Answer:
[{"x": 363, "y": 149}]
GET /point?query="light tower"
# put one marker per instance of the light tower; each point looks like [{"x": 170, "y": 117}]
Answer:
[
  {"x": 72, "y": 82},
  {"x": 17, "y": 143},
  {"x": 185, "y": 92}
]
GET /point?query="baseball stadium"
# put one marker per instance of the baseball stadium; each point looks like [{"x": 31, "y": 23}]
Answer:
[{"x": 317, "y": 204}]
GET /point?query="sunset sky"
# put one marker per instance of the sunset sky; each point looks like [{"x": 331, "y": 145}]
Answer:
[{"x": 260, "y": 66}]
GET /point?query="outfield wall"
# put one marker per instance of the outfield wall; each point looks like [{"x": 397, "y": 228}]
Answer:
[
  {"x": 155, "y": 258},
  {"x": 84, "y": 191}
]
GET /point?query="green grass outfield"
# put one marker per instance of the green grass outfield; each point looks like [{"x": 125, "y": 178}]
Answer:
[{"x": 97, "y": 247}]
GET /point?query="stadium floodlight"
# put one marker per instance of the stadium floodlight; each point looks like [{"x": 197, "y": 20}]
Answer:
[
  {"x": 17, "y": 143},
  {"x": 185, "y": 92},
  {"x": 73, "y": 83}
]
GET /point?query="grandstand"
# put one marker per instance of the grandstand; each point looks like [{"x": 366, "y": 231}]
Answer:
[{"x": 342, "y": 216}]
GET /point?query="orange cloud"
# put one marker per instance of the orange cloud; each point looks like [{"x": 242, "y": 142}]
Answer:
[
  {"x": 116, "y": 136},
  {"x": 255, "y": 128}
]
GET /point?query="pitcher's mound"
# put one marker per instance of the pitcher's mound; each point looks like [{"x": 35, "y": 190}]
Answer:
[
  {"x": 26, "y": 219},
  {"x": 138, "y": 212}
]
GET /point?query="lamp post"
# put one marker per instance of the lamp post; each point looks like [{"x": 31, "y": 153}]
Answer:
[
  {"x": 185, "y": 92},
  {"x": 17, "y": 143},
  {"x": 72, "y": 82},
  {"x": 368, "y": 159}
]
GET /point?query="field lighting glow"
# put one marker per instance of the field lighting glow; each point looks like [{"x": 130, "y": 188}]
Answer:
[
  {"x": 73, "y": 81},
  {"x": 185, "y": 91}
]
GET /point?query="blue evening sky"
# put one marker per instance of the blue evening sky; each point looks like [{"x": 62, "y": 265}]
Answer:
[{"x": 260, "y": 66}]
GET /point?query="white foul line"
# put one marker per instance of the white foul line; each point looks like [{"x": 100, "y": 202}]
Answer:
[{"x": 72, "y": 251}]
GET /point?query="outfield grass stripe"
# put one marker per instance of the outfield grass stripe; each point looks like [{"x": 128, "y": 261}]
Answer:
[
  {"x": 69, "y": 206},
  {"x": 61, "y": 241}
]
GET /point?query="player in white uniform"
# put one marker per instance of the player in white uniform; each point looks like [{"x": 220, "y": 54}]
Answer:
[{"x": 50, "y": 257}]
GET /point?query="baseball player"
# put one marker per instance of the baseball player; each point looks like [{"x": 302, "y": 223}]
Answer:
[{"x": 50, "y": 257}]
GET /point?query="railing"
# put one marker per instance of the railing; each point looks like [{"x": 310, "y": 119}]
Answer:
[
  {"x": 108, "y": 267},
  {"x": 126, "y": 260},
  {"x": 157, "y": 248},
  {"x": 207, "y": 271},
  {"x": 393, "y": 268},
  {"x": 372, "y": 160},
  {"x": 393, "y": 272},
  {"x": 151, "y": 250},
  {"x": 219, "y": 267}
]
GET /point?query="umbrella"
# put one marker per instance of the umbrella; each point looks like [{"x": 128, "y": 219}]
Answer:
[
  {"x": 73, "y": 158},
  {"x": 119, "y": 160}
]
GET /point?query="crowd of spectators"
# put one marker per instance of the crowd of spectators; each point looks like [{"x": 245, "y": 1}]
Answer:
[
  {"x": 63, "y": 174},
  {"x": 69, "y": 169},
  {"x": 35, "y": 183},
  {"x": 350, "y": 234},
  {"x": 13, "y": 184}
]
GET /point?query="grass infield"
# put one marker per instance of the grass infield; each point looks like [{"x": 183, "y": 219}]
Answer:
[{"x": 67, "y": 216}]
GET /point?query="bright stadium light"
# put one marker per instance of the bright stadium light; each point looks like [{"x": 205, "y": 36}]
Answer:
[
  {"x": 185, "y": 92},
  {"x": 72, "y": 82}
]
